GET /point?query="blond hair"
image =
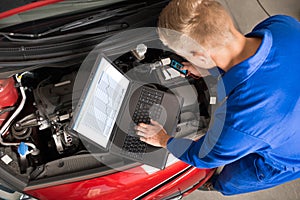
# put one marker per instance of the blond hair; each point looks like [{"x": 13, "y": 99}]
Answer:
[{"x": 205, "y": 21}]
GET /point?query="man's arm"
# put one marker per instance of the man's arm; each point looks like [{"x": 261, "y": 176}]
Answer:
[
  {"x": 220, "y": 145},
  {"x": 214, "y": 150}
]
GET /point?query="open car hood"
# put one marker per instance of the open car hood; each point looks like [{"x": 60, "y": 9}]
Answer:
[{"x": 12, "y": 7}]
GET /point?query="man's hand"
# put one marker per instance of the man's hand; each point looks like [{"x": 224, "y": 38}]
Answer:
[
  {"x": 194, "y": 71},
  {"x": 153, "y": 134}
]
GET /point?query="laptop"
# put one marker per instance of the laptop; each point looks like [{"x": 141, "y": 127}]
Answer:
[{"x": 112, "y": 104}]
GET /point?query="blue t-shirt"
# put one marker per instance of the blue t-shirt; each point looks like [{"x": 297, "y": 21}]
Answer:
[{"x": 262, "y": 112}]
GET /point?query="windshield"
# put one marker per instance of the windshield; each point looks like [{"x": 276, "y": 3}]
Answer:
[{"x": 64, "y": 7}]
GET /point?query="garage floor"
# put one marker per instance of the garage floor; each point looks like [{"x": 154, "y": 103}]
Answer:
[{"x": 288, "y": 191}]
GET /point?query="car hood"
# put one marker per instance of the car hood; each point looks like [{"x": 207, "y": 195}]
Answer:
[
  {"x": 11, "y": 7},
  {"x": 22, "y": 47}
]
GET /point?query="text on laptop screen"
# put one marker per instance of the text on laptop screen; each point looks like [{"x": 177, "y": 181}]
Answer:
[{"x": 102, "y": 103}]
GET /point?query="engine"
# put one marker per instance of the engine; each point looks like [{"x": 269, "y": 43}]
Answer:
[
  {"x": 35, "y": 120},
  {"x": 37, "y": 106}
]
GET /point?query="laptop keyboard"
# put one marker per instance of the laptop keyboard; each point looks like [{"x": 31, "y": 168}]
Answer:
[{"x": 147, "y": 108}]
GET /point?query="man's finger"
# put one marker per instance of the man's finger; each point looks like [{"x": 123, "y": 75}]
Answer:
[
  {"x": 145, "y": 134},
  {"x": 185, "y": 68},
  {"x": 186, "y": 63},
  {"x": 143, "y": 139},
  {"x": 140, "y": 128},
  {"x": 154, "y": 122},
  {"x": 143, "y": 125},
  {"x": 140, "y": 133}
]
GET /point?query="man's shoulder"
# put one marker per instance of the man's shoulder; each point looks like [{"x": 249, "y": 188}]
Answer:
[
  {"x": 278, "y": 22},
  {"x": 282, "y": 19}
]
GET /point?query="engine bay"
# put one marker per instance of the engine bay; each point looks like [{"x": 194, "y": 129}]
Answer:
[{"x": 38, "y": 106}]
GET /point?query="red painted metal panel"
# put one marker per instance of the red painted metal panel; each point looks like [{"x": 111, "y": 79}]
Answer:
[
  {"x": 8, "y": 96},
  {"x": 185, "y": 182},
  {"x": 128, "y": 184}
]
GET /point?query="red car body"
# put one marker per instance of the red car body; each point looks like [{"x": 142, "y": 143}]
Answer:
[{"x": 177, "y": 180}]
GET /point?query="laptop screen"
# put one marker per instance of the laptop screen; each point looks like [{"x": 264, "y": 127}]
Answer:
[{"x": 101, "y": 103}]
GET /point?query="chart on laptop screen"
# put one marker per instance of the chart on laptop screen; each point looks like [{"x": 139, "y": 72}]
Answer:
[{"x": 102, "y": 103}]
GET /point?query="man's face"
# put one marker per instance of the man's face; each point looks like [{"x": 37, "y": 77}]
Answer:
[{"x": 193, "y": 52}]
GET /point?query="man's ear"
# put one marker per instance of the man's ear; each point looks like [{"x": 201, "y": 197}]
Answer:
[{"x": 200, "y": 56}]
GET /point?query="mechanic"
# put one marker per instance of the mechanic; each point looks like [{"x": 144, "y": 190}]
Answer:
[{"x": 255, "y": 132}]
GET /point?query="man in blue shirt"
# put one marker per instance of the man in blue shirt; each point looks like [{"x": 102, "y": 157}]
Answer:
[{"x": 256, "y": 128}]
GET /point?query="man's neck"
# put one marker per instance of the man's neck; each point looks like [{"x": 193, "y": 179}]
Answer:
[{"x": 237, "y": 51}]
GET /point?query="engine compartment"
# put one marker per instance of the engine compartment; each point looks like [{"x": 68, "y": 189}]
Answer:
[{"x": 36, "y": 142}]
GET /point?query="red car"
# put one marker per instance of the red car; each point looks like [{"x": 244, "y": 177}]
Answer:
[
  {"x": 43, "y": 44},
  {"x": 43, "y": 48}
]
